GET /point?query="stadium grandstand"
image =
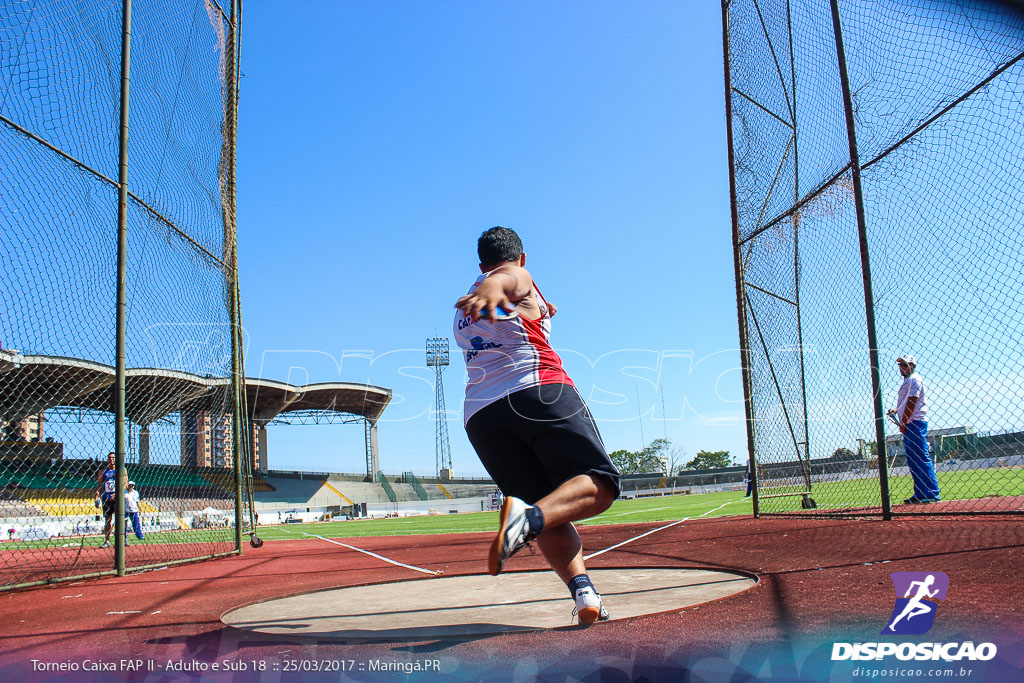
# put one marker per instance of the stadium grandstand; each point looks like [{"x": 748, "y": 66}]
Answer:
[
  {"x": 45, "y": 481},
  {"x": 41, "y": 483},
  {"x": 310, "y": 495}
]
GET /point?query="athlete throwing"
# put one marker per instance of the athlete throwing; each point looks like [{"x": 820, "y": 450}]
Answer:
[{"x": 528, "y": 424}]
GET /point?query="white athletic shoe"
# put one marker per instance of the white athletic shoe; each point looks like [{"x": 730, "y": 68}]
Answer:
[
  {"x": 513, "y": 534},
  {"x": 106, "y": 544},
  {"x": 589, "y": 607}
]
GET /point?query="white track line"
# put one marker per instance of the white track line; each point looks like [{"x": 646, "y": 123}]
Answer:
[
  {"x": 684, "y": 519},
  {"x": 367, "y": 552},
  {"x": 634, "y": 512}
]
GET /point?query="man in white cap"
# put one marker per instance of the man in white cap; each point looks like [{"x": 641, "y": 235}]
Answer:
[
  {"x": 131, "y": 511},
  {"x": 910, "y": 412}
]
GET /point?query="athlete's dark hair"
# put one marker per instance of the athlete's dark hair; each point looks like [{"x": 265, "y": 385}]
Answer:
[{"x": 499, "y": 245}]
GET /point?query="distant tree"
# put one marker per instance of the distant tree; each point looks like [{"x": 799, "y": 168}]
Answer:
[
  {"x": 625, "y": 461},
  {"x": 649, "y": 459},
  {"x": 646, "y": 460},
  {"x": 844, "y": 454},
  {"x": 709, "y": 460},
  {"x": 676, "y": 457}
]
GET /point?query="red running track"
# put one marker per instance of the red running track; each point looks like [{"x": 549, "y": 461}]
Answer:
[{"x": 820, "y": 581}]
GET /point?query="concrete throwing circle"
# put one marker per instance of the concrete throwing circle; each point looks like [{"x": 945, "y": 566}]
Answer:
[{"x": 459, "y": 606}]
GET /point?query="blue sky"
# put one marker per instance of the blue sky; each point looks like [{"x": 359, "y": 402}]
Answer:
[{"x": 377, "y": 140}]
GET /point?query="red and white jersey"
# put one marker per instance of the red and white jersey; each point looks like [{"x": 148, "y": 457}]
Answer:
[{"x": 507, "y": 355}]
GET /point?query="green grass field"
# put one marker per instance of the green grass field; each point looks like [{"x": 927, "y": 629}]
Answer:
[
  {"x": 964, "y": 485},
  {"x": 163, "y": 538},
  {"x": 654, "y": 509},
  {"x": 956, "y": 485}
]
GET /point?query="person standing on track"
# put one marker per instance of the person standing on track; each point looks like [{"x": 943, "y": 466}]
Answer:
[
  {"x": 527, "y": 422},
  {"x": 106, "y": 489},
  {"x": 131, "y": 511},
  {"x": 910, "y": 412}
]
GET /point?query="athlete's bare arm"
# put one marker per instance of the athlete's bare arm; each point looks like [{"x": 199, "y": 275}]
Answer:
[{"x": 505, "y": 287}]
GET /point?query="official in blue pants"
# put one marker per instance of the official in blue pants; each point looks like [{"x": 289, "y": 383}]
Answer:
[
  {"x": 131, "y": 512},
  {"x": 910, "y": 412}
]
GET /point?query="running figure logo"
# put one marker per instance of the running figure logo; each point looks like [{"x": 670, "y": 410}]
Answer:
[{"x": 914, "y": 612}]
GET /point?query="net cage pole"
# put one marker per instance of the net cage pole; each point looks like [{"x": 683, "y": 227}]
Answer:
[
  {"x": 244, "y": 460},
  {"x": 122, "y": 290},
  {"x": 862, "y": 230},
  {"x": 230, "y": 216},
  {"x": 239, "y": 423},
  {"x": 738, "y": 266},
  {"x": 809, "y": 502}
]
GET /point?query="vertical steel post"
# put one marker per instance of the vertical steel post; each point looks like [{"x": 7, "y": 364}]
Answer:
[
  {"x": 806, "y": 463},
  {"x": 741, "y": 308},
  {"x": 236, "y": 422},
  {"x": 122, "y": 291},
  {"x": 865, "y": 265},
  {"x": 230, "y": 130}
]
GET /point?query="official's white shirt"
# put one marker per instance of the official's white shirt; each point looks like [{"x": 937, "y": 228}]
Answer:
[
  {"x": 131, "y": 501},
  {"x": 912, "y": 386}
]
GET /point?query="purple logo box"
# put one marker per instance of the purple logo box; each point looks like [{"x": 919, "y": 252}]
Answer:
[{"x": 902, "y": 580}]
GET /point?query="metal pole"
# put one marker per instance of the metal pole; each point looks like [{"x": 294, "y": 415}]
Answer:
[
  {"x": 865, "y": 265},
  {"x": 122, "y": 286},
  {"x": 796, "y": 253},
  {"x": 741, "y": 314},
  {"x": 438, "y": 398},
  {"x": 230, "y": 115},
  {"x": 236, "y": 425}
]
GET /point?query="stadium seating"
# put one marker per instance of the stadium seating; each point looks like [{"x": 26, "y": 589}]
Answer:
[
  {"x": 70, "y": 502},
  {"x": 183, "y": 504},
  {"x": 11, "y": 505},
  {"x": 296, "y": 491},
  {"x": 259, "y": 485}
]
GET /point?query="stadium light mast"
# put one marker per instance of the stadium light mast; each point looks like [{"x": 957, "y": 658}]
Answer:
[{"x": 437, "y": 358}]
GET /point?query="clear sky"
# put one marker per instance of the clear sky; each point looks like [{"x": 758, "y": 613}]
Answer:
[{"x": 377, "y": 140}]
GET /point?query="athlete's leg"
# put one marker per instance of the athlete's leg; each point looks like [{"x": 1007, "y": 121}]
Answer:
[
  {"x": 579, "y": 498},
  {"x": 582, "y": 496}
]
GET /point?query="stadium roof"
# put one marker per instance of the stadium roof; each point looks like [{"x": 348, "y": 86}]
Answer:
[
  {"x": 30, "y": 384},
  {"x": 268, "y": 398}
]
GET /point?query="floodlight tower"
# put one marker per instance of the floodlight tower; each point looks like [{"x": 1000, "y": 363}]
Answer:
[{"x": 437, "y": 358}]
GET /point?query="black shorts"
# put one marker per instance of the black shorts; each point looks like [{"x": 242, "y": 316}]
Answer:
[
  {"x": 109, "y": 507},
  {"x": 536, "y": 439}
]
